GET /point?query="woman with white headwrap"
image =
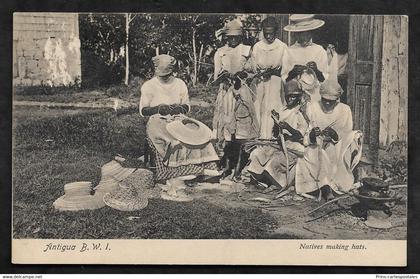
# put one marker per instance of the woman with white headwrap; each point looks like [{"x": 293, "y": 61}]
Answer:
[
  {"x": 165, "y": 98},
  {"x": 234, "y": 117},
  {"x": 333, "y": 148}
]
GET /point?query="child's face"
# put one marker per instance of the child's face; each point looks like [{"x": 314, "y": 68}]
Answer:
[
  {"x": 233, "y": 41},
  {"x": 293, "y": 99},
  {"x": 328, "y": 105},
  {"x": 269, "y": 34}
]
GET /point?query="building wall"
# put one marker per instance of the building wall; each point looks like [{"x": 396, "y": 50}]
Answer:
[
  {"x": 46, "y": 49},
  {"x": 394, "y": 81}
]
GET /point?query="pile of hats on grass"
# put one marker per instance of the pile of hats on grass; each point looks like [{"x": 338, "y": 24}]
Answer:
[{"x": 125, "y": 189}]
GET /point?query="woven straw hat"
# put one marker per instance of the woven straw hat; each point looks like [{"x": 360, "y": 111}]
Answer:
[
  {"x": 77, "y": 196},
  {"x": 303, "y": 22},
  {"x": 115, "y": 170},
  {"x": 189, "y": 131},
  {"x": 133, "y": 192}
]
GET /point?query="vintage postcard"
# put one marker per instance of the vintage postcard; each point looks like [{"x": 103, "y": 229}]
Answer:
[{"x": 229, "y": 139}]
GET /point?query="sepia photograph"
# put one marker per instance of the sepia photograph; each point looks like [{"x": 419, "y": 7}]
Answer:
[{"x": 152, "y": 126}]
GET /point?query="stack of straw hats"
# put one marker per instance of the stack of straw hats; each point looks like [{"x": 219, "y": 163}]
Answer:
[
  {"x": 133, "y": 193},
  {"x": 77, "y": 196}
]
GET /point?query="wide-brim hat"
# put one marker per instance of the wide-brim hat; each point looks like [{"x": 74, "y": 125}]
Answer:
[
  {"x": 115, "y": 170},
  {"x": 303, "y": 22},
  {"x": 125, "y": 199},
  {"x": 77, "y": 196},
  {"x": 189, "y": 131},
  {"x": 133, "y": 193}
]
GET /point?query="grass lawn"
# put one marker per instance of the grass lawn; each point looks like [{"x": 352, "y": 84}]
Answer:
[{"x": 54, "y": 147}]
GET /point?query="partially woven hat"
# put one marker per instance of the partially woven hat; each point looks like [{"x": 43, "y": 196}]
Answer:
[
  {"x": 115, "y": 170},
  {"x": 77, "y": 196},
  {"x": 133, "y": 193}
]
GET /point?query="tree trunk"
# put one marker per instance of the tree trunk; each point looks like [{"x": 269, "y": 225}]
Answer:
[
  {"x": 127, "y": 61},
  {"x": 199, "y": 58},
  {"x": 195, "y": 58}
]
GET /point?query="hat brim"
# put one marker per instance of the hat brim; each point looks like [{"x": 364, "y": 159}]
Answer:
[
  {"x": 65, "y": 203},
  {"x": 188, "y": 136},
  {"x": 314, "y": 24},
  {"x": 123, "y": 200}
]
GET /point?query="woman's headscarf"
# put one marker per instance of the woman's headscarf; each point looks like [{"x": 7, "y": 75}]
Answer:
[{"x": 164, "y": 64}]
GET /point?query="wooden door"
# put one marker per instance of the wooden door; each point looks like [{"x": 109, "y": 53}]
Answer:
[{"x": 364, "y": 77}]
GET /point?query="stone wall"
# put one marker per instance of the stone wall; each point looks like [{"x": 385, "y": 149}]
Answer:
[{"x": 46, "y": 49}]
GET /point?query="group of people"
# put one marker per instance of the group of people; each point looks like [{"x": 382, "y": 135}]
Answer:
[{"x": 277, "y": 116}]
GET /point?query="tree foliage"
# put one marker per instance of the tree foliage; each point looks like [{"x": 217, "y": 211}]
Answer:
[{"x": 103, "y": 41}]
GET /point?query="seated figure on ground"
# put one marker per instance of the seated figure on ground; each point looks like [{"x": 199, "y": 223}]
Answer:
[
  {"x": 268, "y": 161},
  {"x": 333, "y": 148},
  {"x": 165, "y": 99}
]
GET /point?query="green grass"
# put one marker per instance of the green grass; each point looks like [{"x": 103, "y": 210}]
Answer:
[{"x": 54, "y": 147}]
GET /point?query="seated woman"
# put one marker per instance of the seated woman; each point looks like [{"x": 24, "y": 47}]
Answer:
[
  {"x": 268, "y": 163},
  {"x": 333, "y": 148},
  {"x": 165, "y": 98}
]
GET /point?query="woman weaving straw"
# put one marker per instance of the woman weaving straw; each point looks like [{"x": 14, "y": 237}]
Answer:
[
  {"x": 270, "y": 162},
  {"x": 333, "y": 148},
  {"x": 234, "y": 119},
  {"x": 304, "y": 54},
  {"x": 165, "y": 99}
]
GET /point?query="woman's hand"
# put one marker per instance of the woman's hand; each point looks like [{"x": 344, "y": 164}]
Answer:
[
  {"x": 314, "y": 133},
  {"x": 164, "y": 109}
]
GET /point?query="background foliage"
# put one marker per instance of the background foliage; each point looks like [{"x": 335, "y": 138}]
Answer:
[{"x": 103, "y": 44}]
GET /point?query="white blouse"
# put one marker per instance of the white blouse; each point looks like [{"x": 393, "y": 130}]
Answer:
[{"x": 154, "y": 93}]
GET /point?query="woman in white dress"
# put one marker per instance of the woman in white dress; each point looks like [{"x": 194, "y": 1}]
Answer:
[
  {"x": 234, "y": 119},
  {"x": 304, "y": 52},
  {"x": 267, "y": 56},
  {"x": 332, "y": 150},
  {"x": 164, "y": 98}
]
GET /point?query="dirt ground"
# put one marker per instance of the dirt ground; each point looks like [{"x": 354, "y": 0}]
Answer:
[{"x": 334, "y": 221}]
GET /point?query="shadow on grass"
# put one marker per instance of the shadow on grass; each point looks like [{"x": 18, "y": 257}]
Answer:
[{"x": 50, "y": 151}]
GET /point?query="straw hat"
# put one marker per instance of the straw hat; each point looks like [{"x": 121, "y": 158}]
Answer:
[
  {"x": 115, "y": 170},
  {"x": 189, "y": 131},
  {"x": 303, "y": 22},
  {"x": 77, "y": 196},
  {"x": 133, "y": 192}
]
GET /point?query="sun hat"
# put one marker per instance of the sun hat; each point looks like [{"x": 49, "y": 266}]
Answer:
[
  {"x": 164, "y": 64},
  {"x": 77, "y": 196},
  {"x": 303, "y": 22},
  {"x": 189, "y": 131},
  {"x": 378, "y": 219},
  {"x": 330, "y": 90},
  {"x": 133, "y": 193},
  {"x": 115, "y": 170},
  {"x": 234, "y": 28}
]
